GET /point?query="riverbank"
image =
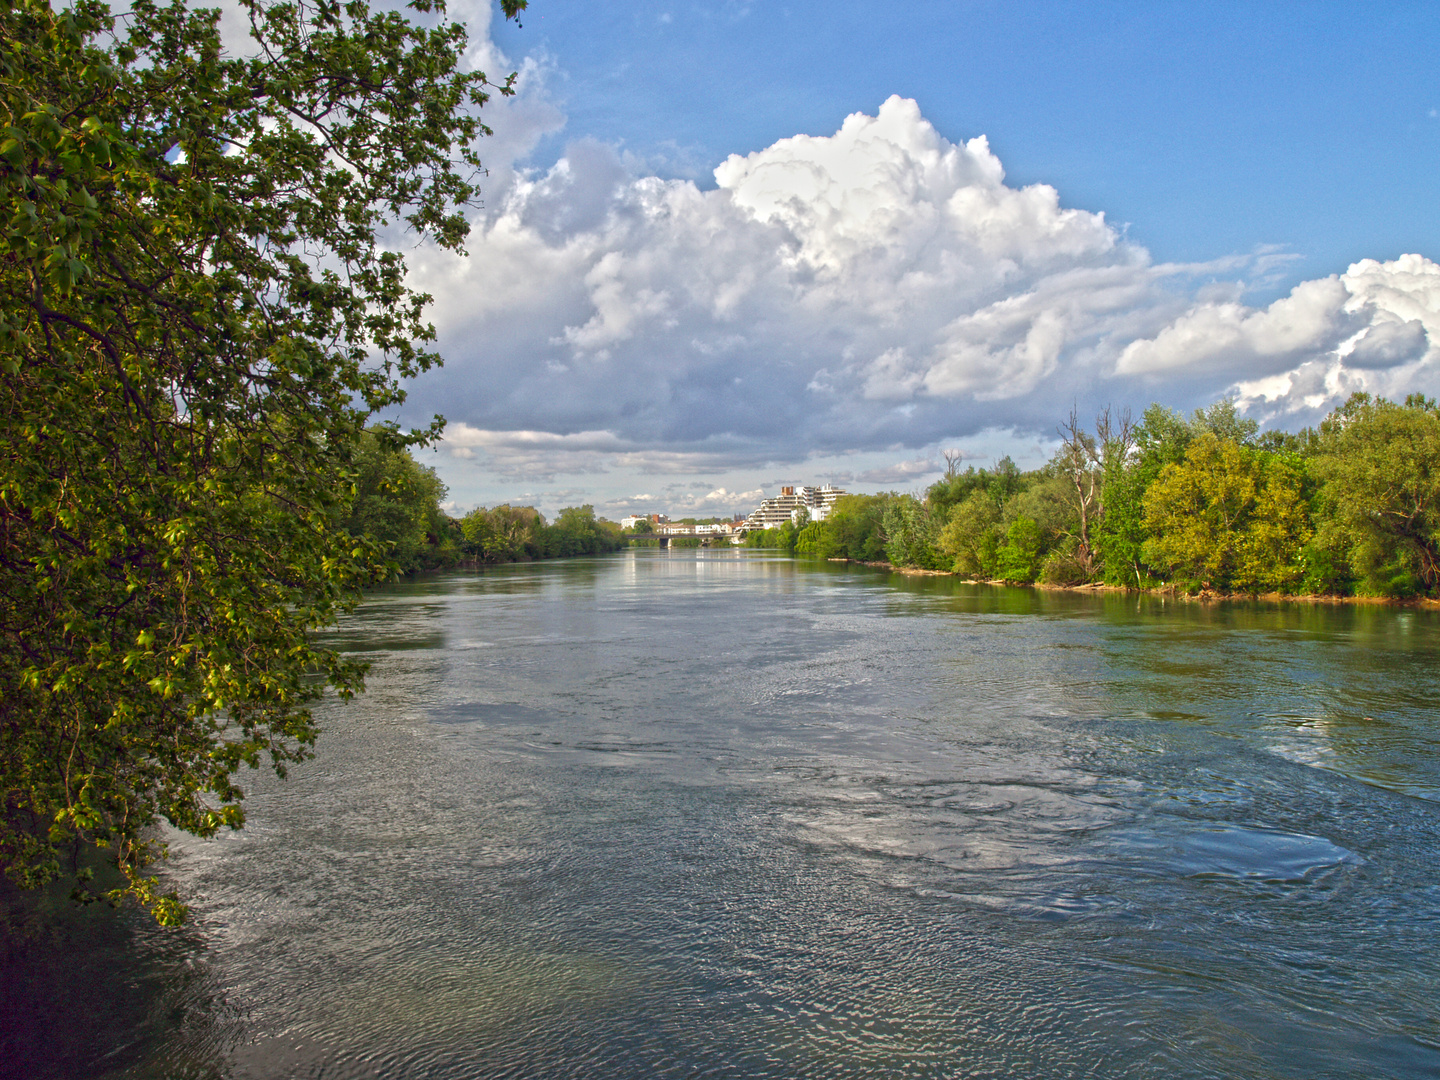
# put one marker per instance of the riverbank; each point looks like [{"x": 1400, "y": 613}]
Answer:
[{"x": 1169, "y": 591}]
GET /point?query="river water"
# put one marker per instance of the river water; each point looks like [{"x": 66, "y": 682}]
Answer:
[{"x": 723, "y": 814}]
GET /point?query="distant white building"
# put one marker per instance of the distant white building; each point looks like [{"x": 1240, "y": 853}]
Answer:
[
  {"x": 635, "y": 519},
  {"x": 824, "y": 498},
  {"x": 787, "y": 506},
  {"x": 714, "y": 530}
]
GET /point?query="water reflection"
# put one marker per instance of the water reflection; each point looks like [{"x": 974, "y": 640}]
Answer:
[{"x": 693, "y": 813}]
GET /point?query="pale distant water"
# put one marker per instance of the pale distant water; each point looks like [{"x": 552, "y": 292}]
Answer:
[{"x": 695, "y": 814}]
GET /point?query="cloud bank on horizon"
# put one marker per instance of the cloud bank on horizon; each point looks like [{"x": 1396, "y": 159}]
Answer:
[{"x": 878, "y": 288}]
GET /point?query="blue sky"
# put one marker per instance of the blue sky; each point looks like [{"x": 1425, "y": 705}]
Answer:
[
  {"x": 1207, "y": 129},
  {"x": 1265, "y": 146}
]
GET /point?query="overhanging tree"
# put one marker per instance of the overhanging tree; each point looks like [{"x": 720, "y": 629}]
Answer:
[{"x": 198, "y": 315}]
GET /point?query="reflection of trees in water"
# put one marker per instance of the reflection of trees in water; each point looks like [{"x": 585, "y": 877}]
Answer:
[
  {"x": 91, "y": 991},
  {"x": 1345, "y": 687}
]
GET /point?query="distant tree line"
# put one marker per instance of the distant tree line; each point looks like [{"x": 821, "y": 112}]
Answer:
[
  {"x": 1207, "y": 502},
  {"x": 396, "y": 503},
  {"x": 1201, "y": 503},
  {"x": 509, "y": 533}
]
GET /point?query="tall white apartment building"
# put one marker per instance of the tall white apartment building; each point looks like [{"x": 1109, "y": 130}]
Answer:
[
  {"x": 825, "y": 496},
  {"x": 815, "y": 501}
]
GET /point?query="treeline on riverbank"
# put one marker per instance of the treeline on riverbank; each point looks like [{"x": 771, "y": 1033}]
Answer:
[
  {"x": 397, "y": 504},
  {"x": 1201, "y": 503}
]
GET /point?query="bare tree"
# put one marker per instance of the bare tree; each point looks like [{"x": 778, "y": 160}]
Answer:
[
  {"x": 1085, "y": 460},
  {"x": 1116, "y": 437},
  {"x": 952, "y": 461}
]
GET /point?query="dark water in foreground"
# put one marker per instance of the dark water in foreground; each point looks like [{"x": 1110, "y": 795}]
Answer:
[{"x": 692, "y": 814}]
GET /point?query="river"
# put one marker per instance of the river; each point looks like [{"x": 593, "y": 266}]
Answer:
[{"x": 724, "y": 814}]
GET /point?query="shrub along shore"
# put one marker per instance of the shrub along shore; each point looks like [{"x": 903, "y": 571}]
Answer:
[
  {"x": 1200, "y": 506},
  {"x": 1175, "y": 591}
]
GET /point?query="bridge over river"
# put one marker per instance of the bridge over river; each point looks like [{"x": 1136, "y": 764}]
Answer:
[{"x": 706, "y": 539}]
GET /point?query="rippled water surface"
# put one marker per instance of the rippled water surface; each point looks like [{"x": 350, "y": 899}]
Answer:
[{"x": 722, "y": 814}]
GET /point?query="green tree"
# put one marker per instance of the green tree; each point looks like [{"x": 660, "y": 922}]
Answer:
[
  {"x": 396, "y": 504},
  {"x": 197, "y": 321},
  {"x": 1000, "y": 482},
  {"x": 972, "y": 537},
  {"x": 783, "y": 536},
  {"x": 855, "y": 529},
  {"x": 1046, "y": 499},
  {"x": 911, "y": 533},
  {"x": 1380, "y": 463},
  {"x": 477, "y": 535},
  {"x": 577, "y": 532},
  {"x": 810, "y": 539},
  {"x": 1019, "y": 558},
  {"x": 502, "y": 534},
  {"x": 1223, "y": 420},
  {"x": 1228, "y": 517},
  {"x": 1161, "y": 438}
]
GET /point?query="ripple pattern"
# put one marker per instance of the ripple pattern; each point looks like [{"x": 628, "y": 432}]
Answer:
[{"x": 715, "y": 814}]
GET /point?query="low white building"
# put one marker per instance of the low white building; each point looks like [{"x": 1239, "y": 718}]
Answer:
[
  {"x": 635, "y": 519},
  {"x": 708, "y": 528}
]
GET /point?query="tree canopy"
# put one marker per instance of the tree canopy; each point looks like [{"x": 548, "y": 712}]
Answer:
[
  {"x": 1226, "y": 517},
  {"x": 1381, "y": 464},
  {"x": 201, "y": 308},
  {"x": 505, "y": 533},
  {"x": 1207, "y": 502}
]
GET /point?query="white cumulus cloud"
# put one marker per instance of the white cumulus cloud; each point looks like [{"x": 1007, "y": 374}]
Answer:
[
  {"x": 879, "y": 285},
  {"x": 1375, "y": 327},
  {"x": 876, "y": 288}
]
